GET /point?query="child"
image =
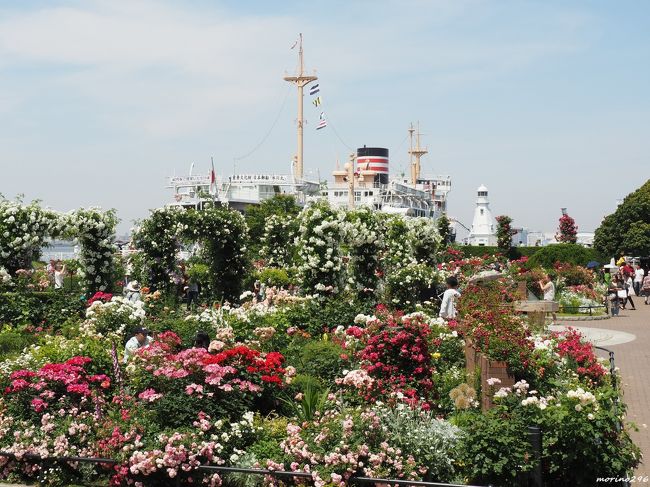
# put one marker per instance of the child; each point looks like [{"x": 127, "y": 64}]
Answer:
[{"x": 448, "y": 306}]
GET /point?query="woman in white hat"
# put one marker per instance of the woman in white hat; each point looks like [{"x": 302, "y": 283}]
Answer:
[{"x": 132, "y": 291}]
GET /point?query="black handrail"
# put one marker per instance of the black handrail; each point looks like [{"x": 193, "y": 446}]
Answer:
[{"x": 248, "y": 471}]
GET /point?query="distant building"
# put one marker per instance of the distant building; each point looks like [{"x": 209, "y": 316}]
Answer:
[
  {"x": 542, "y": 239},
  {"x": 536, "y": 238},
  {"x": 482, "y": 232},
  {"x": 586, "y": 239},
  {"x": 520, "y": 239}
]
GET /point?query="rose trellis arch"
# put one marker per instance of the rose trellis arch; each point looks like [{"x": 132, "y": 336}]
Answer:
[
  {"x": 221, "y": 236},
  {"x": 24, "y": 229}
]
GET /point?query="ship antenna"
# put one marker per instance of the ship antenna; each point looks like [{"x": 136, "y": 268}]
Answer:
[{"x": 300, "y": 80}]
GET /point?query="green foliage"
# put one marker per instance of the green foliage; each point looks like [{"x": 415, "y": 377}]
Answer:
[
  {"x": 257, "y": 215},
  {"x": 13, "y": 341},
  {"x": 46, "y": 308},
  {"x": 637, "y": 239},
  {"x": 577, "y": 450},
  {"x": 410, "y": 285},
  {"x": 274, "y": 277},
  {"x": 610, "y": 238},
  {"x": 223, "y": 236},
  {"x": 443, "y": 225},
  {"x": 318, "y": 317},
  {"x": 495, "y": 447},
  {"x": 198, "y": 272},
  {"x": 185, "y": 329},
  {"x": 178, "y": 410},
  {"x": 322, "y": 359},
  {"x": 313, "y": 400},
  {"x": 271, "y": 431},
  {"x": 158, "y": 237},
  {"x": 278, "y": 242},
  {"x": 432, "y": 442},
  {"x": 566, "y": 253}
]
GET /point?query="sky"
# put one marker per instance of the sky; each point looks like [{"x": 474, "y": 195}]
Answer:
[{"x": 546, "y": 102}]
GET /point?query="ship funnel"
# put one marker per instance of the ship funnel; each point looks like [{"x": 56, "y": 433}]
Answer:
[{"x": 373, "y": 162}]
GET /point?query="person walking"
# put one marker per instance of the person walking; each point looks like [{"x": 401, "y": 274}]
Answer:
[
  {"x": 645, "y": 288},
  {"x": 639, "y": 273},
  {"x": 192, "y": 292},
  {"x": 612, "y": 297},
  {"x": 629, "y": 287}
]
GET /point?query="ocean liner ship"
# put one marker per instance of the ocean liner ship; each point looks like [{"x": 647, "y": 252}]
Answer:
[{"x": 364, "y": 181}]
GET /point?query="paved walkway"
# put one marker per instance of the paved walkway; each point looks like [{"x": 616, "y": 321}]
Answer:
[{"x": 629, "y": 336}]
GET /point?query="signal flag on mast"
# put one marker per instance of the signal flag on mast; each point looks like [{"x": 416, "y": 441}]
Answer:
[
  {"x": 322, "y": 123},
  {"x": 314, "y": 89},
  {"x": 317, "y": 101}
]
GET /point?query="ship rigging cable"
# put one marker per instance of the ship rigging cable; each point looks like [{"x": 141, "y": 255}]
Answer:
[
  {"x": 268, "y": 133},
  {"x": 331, "y": 125}
]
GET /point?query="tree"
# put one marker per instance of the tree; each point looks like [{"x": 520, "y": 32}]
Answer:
[
  {"x": 504, "y": 233},
  {"x": 637, "y": 239},
  {"x": 444, "y": 229},
  {"x": 611, "y": 237},
  {"x": 567, "y": 232}
]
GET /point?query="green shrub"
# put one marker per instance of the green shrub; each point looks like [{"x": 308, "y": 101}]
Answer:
[
  {"x": 565, "y": 253},
  {"x": 274, "y": 277},
  {"x": 199, "y": 273},
  {"x": 322, "y": 359},
  {"x": 494, "y": 448},
  {"x": 320, "y": 316},
  {"x": 46, "y": 308},
  {"x": 185, "y": 329},
  {"x": 271, "y": 431},
  {"x": 12, "y": 341}
]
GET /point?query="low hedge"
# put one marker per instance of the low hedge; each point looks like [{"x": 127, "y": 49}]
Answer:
[
  {"x": 47, "y": 308},
  {"x": 571, "y": 253}
]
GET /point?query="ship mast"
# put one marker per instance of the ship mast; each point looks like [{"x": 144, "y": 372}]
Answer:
[
  {"x": 300, "y": 81},
  {"x": 418, "y": 152}
]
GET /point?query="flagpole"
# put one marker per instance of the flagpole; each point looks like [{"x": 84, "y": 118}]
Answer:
[{"x": 301, "y": 80}]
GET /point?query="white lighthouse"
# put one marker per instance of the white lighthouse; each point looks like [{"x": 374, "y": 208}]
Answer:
[{"x": 483, "y": 228}]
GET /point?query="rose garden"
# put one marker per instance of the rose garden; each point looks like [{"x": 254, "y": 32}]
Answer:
[{"x": 341, "y": 369}]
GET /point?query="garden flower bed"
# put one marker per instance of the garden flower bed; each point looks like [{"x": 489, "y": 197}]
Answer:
[{"x": 346, "y": 371}]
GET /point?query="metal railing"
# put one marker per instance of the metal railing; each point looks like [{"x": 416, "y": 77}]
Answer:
[{"x": 279, "y": 474}]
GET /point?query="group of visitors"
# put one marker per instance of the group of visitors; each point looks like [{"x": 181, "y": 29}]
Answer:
[{"x": 624, "y": 284}]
